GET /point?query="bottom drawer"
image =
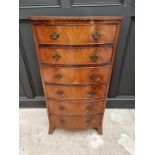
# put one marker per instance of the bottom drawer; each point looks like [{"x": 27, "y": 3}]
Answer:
[
  {"x": 76, "y": 107},
  {"x": 76, "y": 122}
]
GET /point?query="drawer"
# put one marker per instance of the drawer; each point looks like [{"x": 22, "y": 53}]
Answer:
[
  {"x": 76, "y": 122},
  {"x": 76, "y": 56},
  {"x": 76, "y": 91},
  {"x": 76, "y": 75},
  {"x": 76, "y": 107},
  {"x": 75, "y": 34}
]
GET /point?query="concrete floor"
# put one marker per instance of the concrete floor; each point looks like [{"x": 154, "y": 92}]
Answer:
[{"x": 117, "y": 139}]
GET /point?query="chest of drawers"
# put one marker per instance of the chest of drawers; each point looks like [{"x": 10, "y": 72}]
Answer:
[{"x": 76, "y": 56}]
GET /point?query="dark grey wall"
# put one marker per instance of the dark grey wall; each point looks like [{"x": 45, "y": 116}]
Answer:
[{"x": 122, "y": 88}]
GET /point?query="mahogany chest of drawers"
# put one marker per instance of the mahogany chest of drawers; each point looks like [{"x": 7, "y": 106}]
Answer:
[{"x": 76, "y": 56}]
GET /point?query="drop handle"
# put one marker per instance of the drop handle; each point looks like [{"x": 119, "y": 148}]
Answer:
[
  {"x": 94, "y": 56},
  {"x": 62, "y": 121},
  {"x": 58, "y": 76},
  {"x": 96, "y": 35},
  {"x": 54, "y": 35},
  {"x": 92, "y": 92},
  {"x": 88, "y": 120},
  {"x": 56, "y": 56},
  {"x": 61, "y": 108},
  {"x": 93, "y": 76},
  {"x": 89, "y": 108},
  {"x": 60, "y": 92}
]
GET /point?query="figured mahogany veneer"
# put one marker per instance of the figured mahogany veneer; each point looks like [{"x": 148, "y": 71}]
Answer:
[
  {"x": 76, "y": 107},
  {"x": 63, "y": 34},
  {"x": 76, "y": 56},
  {"x": 76, "y": 122},
  {"x": 76, "y": 91},
  {"x": 83, "y": 75}
]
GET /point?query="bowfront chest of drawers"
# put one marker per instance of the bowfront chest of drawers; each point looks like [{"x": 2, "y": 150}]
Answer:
[{"x": 76, "y": 56}]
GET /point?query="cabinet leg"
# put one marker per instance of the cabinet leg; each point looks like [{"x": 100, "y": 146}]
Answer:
[
  {"x": 99, "y": 130},
  {"x": 51, "y": 129}
]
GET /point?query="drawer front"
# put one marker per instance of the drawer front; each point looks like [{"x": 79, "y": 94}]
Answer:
[
  {"x": 76, "y": 122},
  {"x": 76, "y": 56},
  {"x": 75, "y": 91},
  {"x": 76, "y": 75},
  {"x": 75, "y": 34},
  {"x": 76, "y": 107}
]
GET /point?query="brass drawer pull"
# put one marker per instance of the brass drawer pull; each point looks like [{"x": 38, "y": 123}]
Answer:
[
  {"x": 62, "y": 121},
  {"x": 92, "y": 92},
  {"x": 88, "y": 120},
  {"x": 58, "y": 76},
  {"x": 60, "y": 92},
  {"x": 61, "y": 107},
  {"x": 56, "y": 56},
  {"x": 90, "y": 108},
  {"x": 94, "y": 56},
  {"x": 96, "y": 35},
  {"x": 54, "y": 35},
  {"x": 93, "y": 76}
]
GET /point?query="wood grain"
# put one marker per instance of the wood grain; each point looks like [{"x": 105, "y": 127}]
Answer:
[
  {"x": 76, "y": 122},
  {"x": 76, "y": 18},
  {"x": 75, "y": 34},
  {"x": 74, "y": 75},
  {"x": 76, "y": 91},
  {"x": 76, "y": 56},
  {"x": 76, "y": 107}
]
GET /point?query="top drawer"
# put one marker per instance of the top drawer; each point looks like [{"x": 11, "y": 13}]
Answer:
[{"x": 75, "y": 35}]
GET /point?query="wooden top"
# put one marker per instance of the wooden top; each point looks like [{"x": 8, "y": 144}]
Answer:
[{"x": 83, "y": 18}]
